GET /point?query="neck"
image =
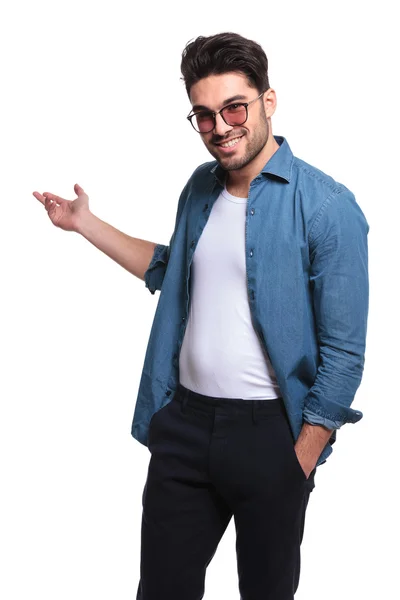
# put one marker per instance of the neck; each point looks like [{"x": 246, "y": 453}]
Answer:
[{"x": 241, "y": 178}]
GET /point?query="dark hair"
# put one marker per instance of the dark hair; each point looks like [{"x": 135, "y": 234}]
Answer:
[{"x": 224, "y": 53}]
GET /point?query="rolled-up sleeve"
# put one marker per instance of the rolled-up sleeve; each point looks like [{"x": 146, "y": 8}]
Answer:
[
  {"x": 339, "y": 284},
  {"x": 155, "y": 273}
]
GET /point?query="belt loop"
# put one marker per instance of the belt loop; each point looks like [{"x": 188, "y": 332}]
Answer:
[{"x": 253, "y": 412}]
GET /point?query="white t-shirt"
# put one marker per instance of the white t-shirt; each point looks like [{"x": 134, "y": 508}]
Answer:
[{"x": 221, "y": 354}]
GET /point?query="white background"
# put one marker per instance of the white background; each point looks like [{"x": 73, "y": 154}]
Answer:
[{"x": 91, "y": 93}]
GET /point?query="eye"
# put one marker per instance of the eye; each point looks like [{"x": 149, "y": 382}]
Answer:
[
  {"x": 234, "y": 108},
  {"x": 203, "y": 115}
]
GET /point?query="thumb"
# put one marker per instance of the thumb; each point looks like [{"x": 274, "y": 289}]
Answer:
[{"x": 78, "y": 189}]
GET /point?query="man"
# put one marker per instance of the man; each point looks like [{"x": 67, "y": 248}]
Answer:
[{"x": 257, "y": 345}]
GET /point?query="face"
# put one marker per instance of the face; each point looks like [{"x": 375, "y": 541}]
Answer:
[{"x": 215, "y": 92}]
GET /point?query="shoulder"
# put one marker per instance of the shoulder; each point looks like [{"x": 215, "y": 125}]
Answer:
[
  {"x": 326, "y": 197},
  {"x": 314, "y": 179}
]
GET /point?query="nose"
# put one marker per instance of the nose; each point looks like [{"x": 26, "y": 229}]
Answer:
[{"x": 221, "y": 128}]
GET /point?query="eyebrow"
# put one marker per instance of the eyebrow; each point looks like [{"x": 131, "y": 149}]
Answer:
[{"x": 197, "y": 107}]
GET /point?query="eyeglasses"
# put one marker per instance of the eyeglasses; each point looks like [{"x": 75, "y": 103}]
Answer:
[{"x": 233, "y": 114}]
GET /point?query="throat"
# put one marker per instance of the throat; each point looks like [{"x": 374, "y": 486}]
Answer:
[{"x": 240, "y": 191}]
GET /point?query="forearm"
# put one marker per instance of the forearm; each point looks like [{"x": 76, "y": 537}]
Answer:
[
  {"x": 310, "y": 443},
  {"x": 133, "y": 254}
]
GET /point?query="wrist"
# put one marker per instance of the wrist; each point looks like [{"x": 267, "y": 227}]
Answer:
[
  {"x": 310, "y": 443},
  {"x": 84, "y": 221}
]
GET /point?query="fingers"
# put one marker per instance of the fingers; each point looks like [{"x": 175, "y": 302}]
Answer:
[
  {"x": 53, "y": 197},
  {"x": 49, "y": 200},
  {"x": 39, "y": 197},
  {"x": 50, "y": 203}
]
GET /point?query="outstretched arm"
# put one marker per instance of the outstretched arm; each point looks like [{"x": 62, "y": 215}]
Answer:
[{"x": 133, "y": 254}]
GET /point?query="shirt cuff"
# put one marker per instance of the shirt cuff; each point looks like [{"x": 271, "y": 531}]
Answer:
[
  {"x": 155, "y": 273},
  {"x": 315, "y": 419}
]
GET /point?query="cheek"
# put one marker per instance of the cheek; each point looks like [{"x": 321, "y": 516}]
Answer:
[{"x": 206, "y": 139}]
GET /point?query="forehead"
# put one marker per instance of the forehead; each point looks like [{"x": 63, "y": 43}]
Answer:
[{"x": 214, "y": 90}]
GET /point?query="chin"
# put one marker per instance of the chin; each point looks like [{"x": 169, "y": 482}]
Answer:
[{"x": 233, "y": 164}]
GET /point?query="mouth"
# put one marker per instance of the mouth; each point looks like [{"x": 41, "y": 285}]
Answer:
[{"x": 229, "y": 145}]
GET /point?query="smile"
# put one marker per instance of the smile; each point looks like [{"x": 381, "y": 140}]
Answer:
[{"x": 230, "y": 143}]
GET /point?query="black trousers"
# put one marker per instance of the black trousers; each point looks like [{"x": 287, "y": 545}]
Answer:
[{"x": 212, "y": 458}]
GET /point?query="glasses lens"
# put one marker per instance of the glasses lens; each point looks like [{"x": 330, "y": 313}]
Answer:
[
  {"x": 235, "y": 114},
  {"x": 203, "y": 121}
]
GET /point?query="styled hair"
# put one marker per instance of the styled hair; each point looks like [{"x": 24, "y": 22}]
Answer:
[{"x": 224, "y": 53}]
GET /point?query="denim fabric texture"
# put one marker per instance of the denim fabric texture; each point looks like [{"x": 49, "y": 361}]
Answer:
[{"x": 307, "y": 280}]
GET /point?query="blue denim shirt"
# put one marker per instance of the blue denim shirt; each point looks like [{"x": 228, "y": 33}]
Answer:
[{"x": 307, "y": 280}]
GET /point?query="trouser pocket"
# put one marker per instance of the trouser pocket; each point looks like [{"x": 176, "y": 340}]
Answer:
[
  {"x": 297, "y": 462},
  {"x": 290, "y": 445}
]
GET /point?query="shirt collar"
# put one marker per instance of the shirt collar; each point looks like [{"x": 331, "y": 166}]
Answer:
[{"x": 279, "y": 165}]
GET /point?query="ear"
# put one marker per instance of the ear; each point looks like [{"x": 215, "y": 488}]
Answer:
[{"x": 270, "y": 102}]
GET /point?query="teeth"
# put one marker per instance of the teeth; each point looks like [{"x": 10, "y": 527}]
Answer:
[{"x": 231, "y": 143}]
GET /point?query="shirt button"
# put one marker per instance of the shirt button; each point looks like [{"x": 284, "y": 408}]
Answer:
[
  {"x": 205, "y": 207},
  {"x": 252, "y": 211},
  {"x": 168, "y": 392},
  {"x": 251, "y": 252},
  {"x": 183, "y": 318},
  {"x": 192, "y": 244}
]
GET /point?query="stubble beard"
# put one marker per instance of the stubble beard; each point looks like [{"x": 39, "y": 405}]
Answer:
[{"x": 254, "y": 147}]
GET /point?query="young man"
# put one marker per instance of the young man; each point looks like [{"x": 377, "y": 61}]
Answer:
[{"x": 257, "y": 345}]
